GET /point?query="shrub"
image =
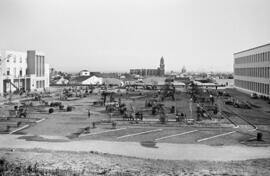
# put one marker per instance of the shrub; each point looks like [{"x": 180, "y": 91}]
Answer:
[
  {"x": 8, "y": 128},
  {"x": 113, "y": 125},
  {"x": 94, "y": 124},
  {"x": 19, "y": 124},
  {"x": 51, "y": 110},
  {"x": 69, "y": 108},
  {"x": 61, "y": 107},
  {"x": 87, "y": 130},
  {"x": 162, "y": 118},
  {"x": 173, "y": 109}
]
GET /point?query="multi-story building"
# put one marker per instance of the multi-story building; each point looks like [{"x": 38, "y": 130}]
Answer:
[
  {"x": 160, "y": 71},
  {"x": 252, "y": 70},
  {"x": 23, "y": 70}
]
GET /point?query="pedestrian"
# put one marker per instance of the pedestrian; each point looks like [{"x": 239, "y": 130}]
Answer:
[
  {"x": 89, "y": 114},
  {"x": 177, "y": 116}
]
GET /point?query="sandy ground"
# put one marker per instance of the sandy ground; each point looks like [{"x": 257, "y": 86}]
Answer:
[{"x": 92, "y": 163}]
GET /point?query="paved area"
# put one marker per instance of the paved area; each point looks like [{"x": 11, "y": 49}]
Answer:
[
  {"x": 181, "y": 135},
  {"x": 73, "y": 124},
  {"x": 158, "y": 151}
]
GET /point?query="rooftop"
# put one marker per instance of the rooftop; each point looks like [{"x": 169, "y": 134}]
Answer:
[
  {"x": 253, "y": 48},
  {"x": 80, "y": 78}
]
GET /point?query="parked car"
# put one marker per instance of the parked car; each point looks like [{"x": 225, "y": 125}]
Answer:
[
  {"x": 254, "y": 96},
  {"x": 229, "y": 102},
  {"x": 241, "y": 105}
]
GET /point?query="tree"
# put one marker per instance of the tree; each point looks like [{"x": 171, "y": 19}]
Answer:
[{"x": 194, "y": 90}]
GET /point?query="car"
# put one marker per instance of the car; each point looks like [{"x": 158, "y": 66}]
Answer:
[
  {"x": 229, "y": 102},
  {"x": 254, "y": 96},
  {"x": 226, "y": 94},
  {"x": 242, "y": 106}
]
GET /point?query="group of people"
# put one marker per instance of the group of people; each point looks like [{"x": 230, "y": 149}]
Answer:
[{"x": 180, "y": 116}]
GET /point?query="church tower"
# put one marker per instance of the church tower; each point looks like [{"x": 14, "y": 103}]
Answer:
[{"x": 162, "y": 67}]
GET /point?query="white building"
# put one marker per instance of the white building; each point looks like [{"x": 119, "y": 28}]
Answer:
[
  {"x": 252, "y": 70},
  {"x": 84, "y": 73},
  {"x": 23, "y": 70}
]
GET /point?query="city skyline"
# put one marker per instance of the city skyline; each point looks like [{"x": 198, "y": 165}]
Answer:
[{"x": 115, "y": 36}]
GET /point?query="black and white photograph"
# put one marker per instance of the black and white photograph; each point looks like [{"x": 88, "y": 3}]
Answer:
[{"x": 135, "y": 87}]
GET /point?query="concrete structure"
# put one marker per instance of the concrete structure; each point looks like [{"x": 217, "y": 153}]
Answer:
[
  {"x": 252, "y": 70},
  {"x": 23, "y": 70},
  {"x": 84, "y": 73},
  {"x": 160, "y": 71}
]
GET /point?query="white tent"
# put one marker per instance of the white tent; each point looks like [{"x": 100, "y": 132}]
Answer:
[
  {"x": 62, "y": 81},
  {"x": 92, "y": 80}
]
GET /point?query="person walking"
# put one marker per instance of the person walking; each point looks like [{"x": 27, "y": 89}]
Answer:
[{"x": 89, "y": 114}]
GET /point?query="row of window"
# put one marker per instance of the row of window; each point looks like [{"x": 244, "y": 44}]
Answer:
[
  {"x": 261, "y": 57},
  {"x": 262, "y": 72},
  {"x": 40, "y": 84},
  {"x": 40, "y": 70},
  {"x": 14, "y": 59},
  {"x": 14, "y": 72},
  {"x": 253, "y": 86}
]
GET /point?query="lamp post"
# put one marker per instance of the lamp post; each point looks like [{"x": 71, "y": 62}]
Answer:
[
  {"x": 89, "y": 115},
  {"x": 190, "y": 108}
]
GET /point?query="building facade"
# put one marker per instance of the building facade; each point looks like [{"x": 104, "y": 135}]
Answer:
[
  {"x": 160, "y": 71},
  {"x": 252, "y": 70},
  {"x": 23, "y": 71}
]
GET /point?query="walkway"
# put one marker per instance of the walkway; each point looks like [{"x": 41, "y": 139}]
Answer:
[{"x": 160, "y": 151}]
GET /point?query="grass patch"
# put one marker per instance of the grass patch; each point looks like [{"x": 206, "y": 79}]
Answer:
[{"x": 7, "y": 168}]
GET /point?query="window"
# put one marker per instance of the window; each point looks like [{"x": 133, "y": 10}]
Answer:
[
  {"x": 8, "y": 57},
  {"x": 8, "y": 71},
  {"x": 21, "y": 72}
]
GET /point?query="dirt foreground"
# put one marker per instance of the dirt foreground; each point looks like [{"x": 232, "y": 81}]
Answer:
[{"x": 93, "y": 163}]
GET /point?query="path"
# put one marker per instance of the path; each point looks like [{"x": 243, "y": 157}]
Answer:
[{"x": 160, "y": 151}]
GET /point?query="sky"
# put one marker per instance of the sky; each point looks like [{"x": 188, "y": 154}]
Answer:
[{"x": 117, "y": 35}]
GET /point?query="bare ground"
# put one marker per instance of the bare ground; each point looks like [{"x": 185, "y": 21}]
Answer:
[{"x": 93, "y": 163}]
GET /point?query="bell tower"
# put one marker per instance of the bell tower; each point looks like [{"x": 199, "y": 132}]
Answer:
[{"x": 162, "y": 67}]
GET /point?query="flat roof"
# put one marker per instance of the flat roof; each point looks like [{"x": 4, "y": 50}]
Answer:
[{"x": 252, "y": 48}]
